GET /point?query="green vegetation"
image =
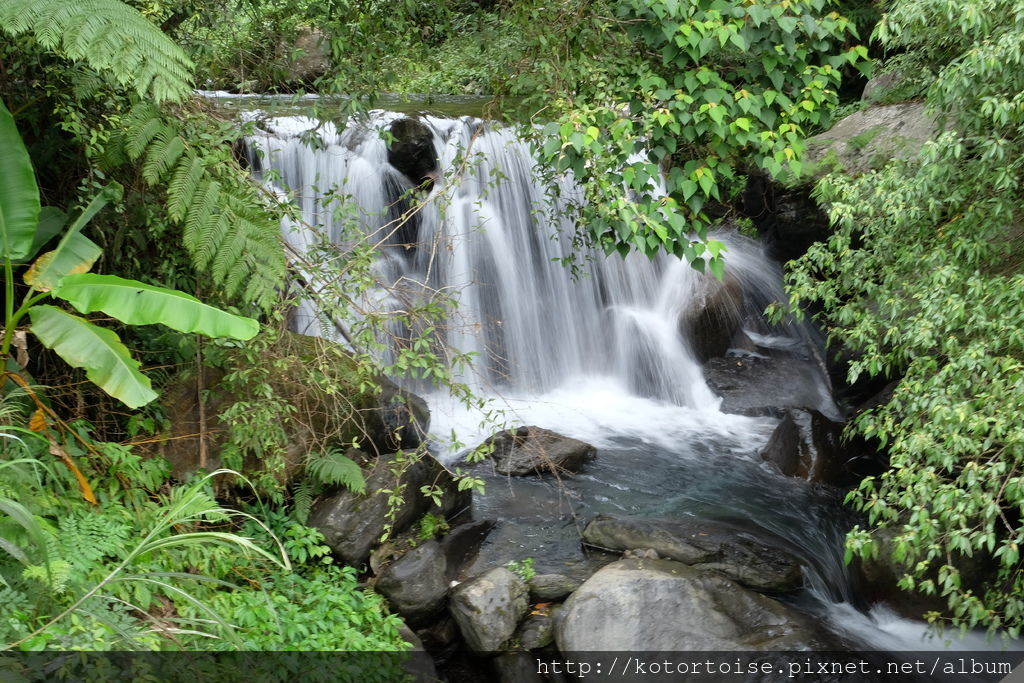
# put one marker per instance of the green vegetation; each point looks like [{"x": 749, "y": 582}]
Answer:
[
  {"x": 101, "y": 548},
  {"x": 922, "y": 279}
]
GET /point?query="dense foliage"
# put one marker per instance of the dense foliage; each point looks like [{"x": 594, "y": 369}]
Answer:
[
  {"x": 686, "y": 94},
  {"x": 923, "y": 280}
]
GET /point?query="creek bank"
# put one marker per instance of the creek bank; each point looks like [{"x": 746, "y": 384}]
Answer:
[{"x": 316, "y": 379}]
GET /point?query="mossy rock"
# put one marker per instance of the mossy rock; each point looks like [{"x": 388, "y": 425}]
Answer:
[{"x": 325, "y": 401}]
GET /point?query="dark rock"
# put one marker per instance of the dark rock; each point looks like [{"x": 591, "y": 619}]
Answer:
[
  {"x": 529, "y": 450},
  {"x": 461, "y": 545},
  {"x": 788, "y": 218},
  {"x": 808, "y": 445},
  {"x": 488, "y": 609},
  {"x": 548, "y": 587},
  {"x": 416, "y": 583},
  {"x": 784, "y": 446},
  {"x": 419, "y": 665},
  {"x": 661, "y": 605},
  {"x": 352, "y": 524},
  {"x": 412, "y": 150},
  {"x": 710, "y": 546},
  {"x": 441, "y": 635},
  {"x": 516, "y": 667},
  {"x": 767, "y": 386},
  {"x": 710, "y": 320},
  {"x": 536, "y": 631}
]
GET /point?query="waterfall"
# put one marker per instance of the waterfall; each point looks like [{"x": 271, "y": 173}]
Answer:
[{"x": 497, "y": 236}]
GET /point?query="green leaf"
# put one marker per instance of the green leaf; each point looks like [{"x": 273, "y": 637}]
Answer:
[
  {"x": 19, "y": 194},
  {"x": 98, "y": 351},
  {"x": 51, "y": 221},
  {"x": 76, "y": 254},
  {"x": 137, "y": 303}
]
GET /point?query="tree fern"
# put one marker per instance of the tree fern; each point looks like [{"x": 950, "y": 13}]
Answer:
[
  {"x": 109, "y": 36},
  {"x": 228, "y": 228}
]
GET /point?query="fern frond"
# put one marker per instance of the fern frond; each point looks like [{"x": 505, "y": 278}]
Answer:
[
  {"x": 162, "y": 155},
  {"x": 336, "y": 469},
  {"x": 302, "y": 501},
  {"x": 109, "y": 36},
  {"x": 228, "y": 227}
]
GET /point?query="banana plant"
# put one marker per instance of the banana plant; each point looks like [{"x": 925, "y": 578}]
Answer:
[{"x": 63, "y": 274}]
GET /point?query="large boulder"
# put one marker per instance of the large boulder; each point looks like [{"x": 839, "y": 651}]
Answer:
[
  {"x": 416, "y": 583},
  {"x": 352, "y": 523},
  {"x": 710, "y": 546},
  {"x": 412, "y": 150},
  {"x": 661, "y": 605},
  {"x": 711, "y": 319},
  {"x": 787, "y": 215},
  {"x": 309, "y": 56},
  {"x": 328, "y": 405},
  {"x": 532, "y": 450},
  {"x": 488, "y": 609},
  {"x": 869, "y": 139}
]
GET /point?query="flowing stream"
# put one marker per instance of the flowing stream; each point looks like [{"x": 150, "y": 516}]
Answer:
[{"x": 567, "y": 339}]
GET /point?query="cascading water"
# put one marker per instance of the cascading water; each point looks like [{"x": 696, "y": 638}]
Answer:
[{"x": 594, "y": 352}]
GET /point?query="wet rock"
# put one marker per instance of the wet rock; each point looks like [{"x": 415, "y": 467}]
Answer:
[
  {"x": 710, "y": 546},
  {"x": 488, "y": 609},
  {"x": 784, "y": 447},
  {"x": 532, "y": 450},
  {"x": 353, "y": 523},
  {"x": 765, "y": 386},
  {"x": 412, "y": 150},
  {"x": 416, "y": 583},
  {"x": 711, "y": 320},
  {"x": 548, "y": 587},
  {"x": 536, "y": 631},
  {"x": 808, "y": 445},
  {"x": 462, "y": 544},
  {"x": 662, "y": 605}
]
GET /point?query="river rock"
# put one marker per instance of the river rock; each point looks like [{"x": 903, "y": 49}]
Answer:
[
  {"x": 352, "y": 523},
  {"x": 416, "y": 583},
  {"x": 662, "y": 605},
  {"x": 532, "y": 450},
  {"x": 536, "y": 631},
  {"x": 711, "y": 319},
  {"x": 710, "y": 546},
  {"x": 765, "y": 386},
  {"x": 786, "y": 215},
  {"x": 488, "y": 609},
  {"x": 548, "y": 587},
  {"x": 462, "y": 545}
]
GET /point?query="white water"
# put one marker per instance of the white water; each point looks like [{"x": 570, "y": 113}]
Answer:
[{"x": 597, "y": 357}]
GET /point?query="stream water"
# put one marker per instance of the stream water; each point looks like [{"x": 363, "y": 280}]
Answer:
[{"x": 593, "y": 352}]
